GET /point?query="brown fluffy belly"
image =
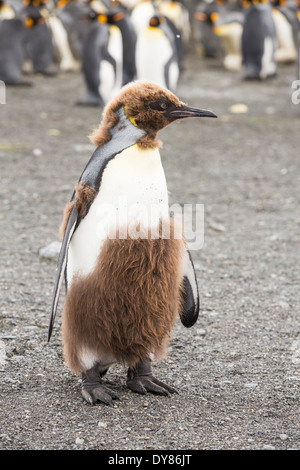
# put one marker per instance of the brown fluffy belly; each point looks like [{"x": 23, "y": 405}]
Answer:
[{"x": 128, "y": 305}]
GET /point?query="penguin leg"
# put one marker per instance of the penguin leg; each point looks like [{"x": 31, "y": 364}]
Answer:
[
  {"x": 93, "y": 388},
  {"x": 141, "y": 380}
]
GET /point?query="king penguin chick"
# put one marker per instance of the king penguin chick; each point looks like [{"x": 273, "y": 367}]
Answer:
[{"x": 128, "y": 274}]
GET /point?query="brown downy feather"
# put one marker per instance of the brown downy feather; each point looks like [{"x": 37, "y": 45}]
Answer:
[
  {"x": 128, "y": 305},
  {"x": 84, "y": 197}
]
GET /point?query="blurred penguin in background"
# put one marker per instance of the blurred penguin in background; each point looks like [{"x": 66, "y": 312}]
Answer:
[
  {"x": 12, "y": 33},
  {"x": 259, "y": 42},
  {"x": 69, "y": 26},
  {"x": 25, "y": 42},
  {"x": 101, "y": 62},
  {"x": 157, "y": 58},
  {"x": 141, "y": 14},
  {"x": 178, "y": 16},
  {"x": 208, "y": 43},
  {"x": 287, "y": 29},
  {"x": 122, "y": 20},
  {"x": 38, "y": 43},
  {"x": 7, "y": 10},
  {"x": 228, "y": 25}
]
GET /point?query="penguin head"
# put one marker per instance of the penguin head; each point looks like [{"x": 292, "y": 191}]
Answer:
[
  {"x": 33, "y": 17},
  {"x": 156, "y": 20},
  {"x": 149, "y": 107}
]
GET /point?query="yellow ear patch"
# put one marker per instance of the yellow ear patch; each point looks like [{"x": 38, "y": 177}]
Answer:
[
  {"x": 61, "y": 3},
  {"x": 102, "y": 18},
  {"x": 215, "y": 17},
  {"x": 131, "y": 118},
  {"x": 29, "y": 22}
]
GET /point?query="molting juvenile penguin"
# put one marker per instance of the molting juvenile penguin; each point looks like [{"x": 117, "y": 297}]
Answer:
[
  {"x": 127, "y": 273},
  {"x": 259, "y": 41}
]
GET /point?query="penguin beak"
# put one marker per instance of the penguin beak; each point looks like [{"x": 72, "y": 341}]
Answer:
[{"x": 188, "y": 111}]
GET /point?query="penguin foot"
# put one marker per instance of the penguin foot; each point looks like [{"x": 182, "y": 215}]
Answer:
[
  {"x": 20, "y": 82},
  {"x": 93, "y": 388},
  {"x": 141, "y": 380},
  {"x": 49, "y": 71},
  {"x": 90, "y": 100}
]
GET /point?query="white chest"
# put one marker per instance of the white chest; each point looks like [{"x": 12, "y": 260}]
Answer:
[{"x": 133, "y": 193}]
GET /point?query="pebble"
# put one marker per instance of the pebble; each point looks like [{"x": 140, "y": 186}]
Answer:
[
  {"x": 37, "y": 152},
  {"x": 201, "y": 332},
  {"x": 101, "y": 424},
  {"x": 54, "y": 132},
  {"x": 283, "y": 437},
  {"x": 84, "y": 147},
  {"x": 79, "y": 441},
  {"x": 2, "y": 353},
  {"x": 251, "y": 385},
  {"x": 270, "y": 110},
  {"x": 283, "y": 304},
  {"x": 268, "y": 447},
  {"x": 217, "y": 227},
  {"x": 239, "y": 108},
  {"x": 50, "y": 251}
]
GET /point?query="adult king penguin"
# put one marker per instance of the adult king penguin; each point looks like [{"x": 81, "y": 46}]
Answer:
[
  {"x": 259, "y": 41},
  {"x": 126, "y": 281}
]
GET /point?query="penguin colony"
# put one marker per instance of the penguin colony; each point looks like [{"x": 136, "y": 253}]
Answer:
[
  {"x": 125, "y": 288},
  {"x": 114, "y": 42}
]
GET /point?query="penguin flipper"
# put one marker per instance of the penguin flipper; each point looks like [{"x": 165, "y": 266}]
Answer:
[
  {"x": 61, "y": 265},
  {"x": 190, "y": 294}
]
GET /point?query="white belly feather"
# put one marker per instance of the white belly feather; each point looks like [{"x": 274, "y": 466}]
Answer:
[{"x": 133, "y": 190}]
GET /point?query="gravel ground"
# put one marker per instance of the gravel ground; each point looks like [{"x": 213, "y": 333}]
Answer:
[{"x": 237, "y": 370}]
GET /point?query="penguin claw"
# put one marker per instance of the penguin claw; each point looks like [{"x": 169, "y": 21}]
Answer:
[
  {"x": 141, "y": 380},
  {"x": 150, "y": 384},
  {"x": 93, "y": 388},
  {"x": 98, "y": 392}
]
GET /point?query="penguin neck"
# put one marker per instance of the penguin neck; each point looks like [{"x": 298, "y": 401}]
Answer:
[
  {"x": 133, "y": 133},
  {"x": 118, "y": 121},
  {"x": 147, "y": 139},
  {"x": 113, "y": 140}
]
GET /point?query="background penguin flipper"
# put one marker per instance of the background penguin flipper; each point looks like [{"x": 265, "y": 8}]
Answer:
[
  {"x": 61, "y": 264},
  {"x": 190, "y": 294}
]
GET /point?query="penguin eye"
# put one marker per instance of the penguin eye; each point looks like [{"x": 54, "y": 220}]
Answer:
[{"x": 160, "y": 105}]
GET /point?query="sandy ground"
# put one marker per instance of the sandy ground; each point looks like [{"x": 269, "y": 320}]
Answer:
[{"x": 237, "y": 369}]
